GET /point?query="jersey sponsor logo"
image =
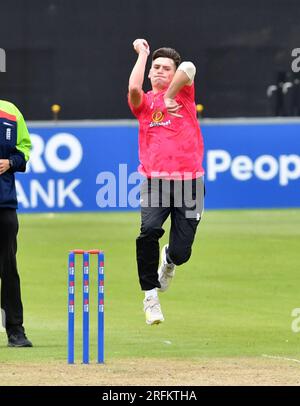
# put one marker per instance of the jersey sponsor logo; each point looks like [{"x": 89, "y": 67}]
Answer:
[
  {"x": 157, "y": 116},
  {"x": 162, "y": 124},
  {"x": 157, "y": 119}
]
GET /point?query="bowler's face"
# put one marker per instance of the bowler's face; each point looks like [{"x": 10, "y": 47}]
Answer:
[{"x": 162, "y": 72}]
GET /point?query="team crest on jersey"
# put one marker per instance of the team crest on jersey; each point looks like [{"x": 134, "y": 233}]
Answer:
[{"x": 157, "y": 116}]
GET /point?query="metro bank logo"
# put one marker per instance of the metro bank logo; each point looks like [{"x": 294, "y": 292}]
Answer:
[{"x": 61, "y": 154}]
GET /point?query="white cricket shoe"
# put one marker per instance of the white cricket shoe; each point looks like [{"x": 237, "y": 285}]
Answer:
[
  {"x": 165, "y": 271},
  {"x": 153, "y": 311}
]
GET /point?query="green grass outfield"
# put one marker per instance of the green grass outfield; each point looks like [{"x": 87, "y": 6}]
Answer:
[{"x": 233, "y": 298}]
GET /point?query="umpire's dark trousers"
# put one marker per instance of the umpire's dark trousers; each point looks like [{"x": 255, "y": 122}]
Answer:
[
  {"x": 10, "y": 282},
  {"x": 183, "y": 200}
]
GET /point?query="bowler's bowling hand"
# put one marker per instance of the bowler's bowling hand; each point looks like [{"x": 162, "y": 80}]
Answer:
[
  {"x": 172, "y": 107},
  {"x": 141, "y": 45},
  {"x": 4, "y": 166}
]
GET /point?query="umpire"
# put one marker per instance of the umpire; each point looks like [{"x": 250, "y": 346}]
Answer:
[{"x": 14, "y": 153}]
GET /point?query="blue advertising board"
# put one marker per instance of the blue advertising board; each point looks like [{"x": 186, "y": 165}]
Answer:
[
  {"x": 93, "y": 166},
  {"x": 252, "y": 165}
]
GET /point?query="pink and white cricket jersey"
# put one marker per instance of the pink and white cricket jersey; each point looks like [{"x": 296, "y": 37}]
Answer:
[{"x": 169, "y": 147}]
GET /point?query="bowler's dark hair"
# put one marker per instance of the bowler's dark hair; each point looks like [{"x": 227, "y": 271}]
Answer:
[{"x": 167, "y": 53}]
